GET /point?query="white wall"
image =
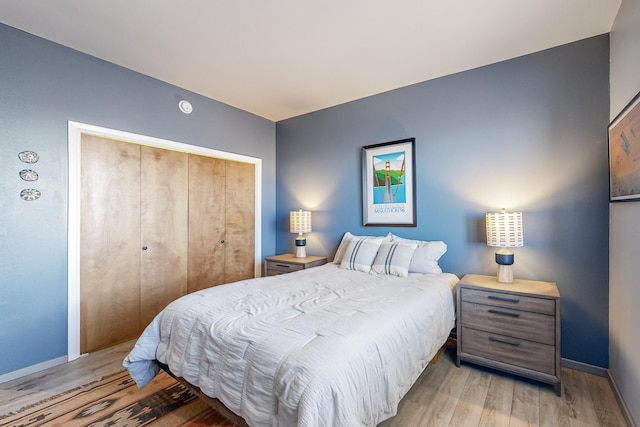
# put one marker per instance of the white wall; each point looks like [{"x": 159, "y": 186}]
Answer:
[{"x": 624, "y": 244}]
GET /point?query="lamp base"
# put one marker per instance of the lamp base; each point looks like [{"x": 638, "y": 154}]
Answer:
[
  {"x": 301, "y": 252},
  {"x": 301, "y": 244},
  {"x": 505, "y": 274}
]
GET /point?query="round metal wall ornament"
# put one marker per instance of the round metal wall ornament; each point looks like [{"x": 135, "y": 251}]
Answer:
[
  {"x": 29, "y": 175},
  {"x": 28, "y": 156},
  {"x": 30, "y": 194},
  {"x": 185, "y": 106}
]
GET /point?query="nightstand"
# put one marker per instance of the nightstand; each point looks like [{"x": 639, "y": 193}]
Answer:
[
  {"x": 287, "y": 263},
  {"x": 513, "y": 327}
]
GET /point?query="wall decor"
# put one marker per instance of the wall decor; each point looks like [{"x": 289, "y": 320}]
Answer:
[
  {"x": 29, "y": 175},
  {"x": 185, "y": 106},
  {"x": 388, "y": 183},
  {"x": 624, "y": 153},
  {"x": 28, "y": 156},
  {"x": 30, "y": 194}
]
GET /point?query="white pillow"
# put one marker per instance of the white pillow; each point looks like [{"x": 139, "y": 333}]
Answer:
[
  {"x": 360, "y": 254},
  {"x": 337, "y": 259},
  {"x": 426, "y": 256},
  {"x": 394, "y": 259}
]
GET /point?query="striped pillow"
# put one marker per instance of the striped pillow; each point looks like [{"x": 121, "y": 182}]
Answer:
[
  {"x": 346, "y": 238},
  {"x": 425, "y": 258},
  {"x": 360, "y": 254},
  {"x": 394, "y": 259}
]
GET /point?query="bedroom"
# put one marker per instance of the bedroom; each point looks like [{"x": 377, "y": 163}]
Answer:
[{"x": 538, "y": 120}]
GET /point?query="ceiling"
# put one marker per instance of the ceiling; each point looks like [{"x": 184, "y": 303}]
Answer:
[{"x": 283, "y": 58}]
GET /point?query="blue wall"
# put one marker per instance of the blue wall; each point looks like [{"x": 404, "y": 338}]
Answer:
[
  {"x": 526, "y": 134},
  {"x": 42, "y": 86}
]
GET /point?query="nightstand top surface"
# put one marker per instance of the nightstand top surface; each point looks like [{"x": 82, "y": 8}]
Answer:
[
  {"x": 291, "y": 258},
  {"x": 518, "y": 286}
]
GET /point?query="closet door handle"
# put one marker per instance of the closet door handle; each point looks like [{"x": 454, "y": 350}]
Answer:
[{"x": 144, "y": 248}]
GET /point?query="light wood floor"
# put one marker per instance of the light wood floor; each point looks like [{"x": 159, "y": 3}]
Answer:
[{"x": 443, "y": 396}]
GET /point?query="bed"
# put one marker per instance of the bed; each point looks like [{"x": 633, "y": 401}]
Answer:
[{"x": 333, "y": 345}]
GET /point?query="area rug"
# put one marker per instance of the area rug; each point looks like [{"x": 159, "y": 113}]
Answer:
[{"x": 116, "y": 401}]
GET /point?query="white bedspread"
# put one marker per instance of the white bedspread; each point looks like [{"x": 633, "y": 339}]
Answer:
[{"x": 319, "y": 347}]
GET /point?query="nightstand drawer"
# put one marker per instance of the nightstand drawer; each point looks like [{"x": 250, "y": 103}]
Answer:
[
  {"x": 510, "y": 300},
  {"x": 274, "y": 268},
  {"x": 514, "y": 327},
  {"x": 514, "y": 323},
  {"x": 288, "y": 263},
  {"x": 526, "y": 354}
]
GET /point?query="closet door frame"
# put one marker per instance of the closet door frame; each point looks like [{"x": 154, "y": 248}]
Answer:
[{"x": 75, "y": 131}]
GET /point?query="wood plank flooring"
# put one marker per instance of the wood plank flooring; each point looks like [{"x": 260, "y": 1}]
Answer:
[{"x": 444, "y": 395}]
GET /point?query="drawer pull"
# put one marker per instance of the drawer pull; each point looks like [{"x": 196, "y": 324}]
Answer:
[
  {"x": 514, "y": 343},
  {"x": 283, "y": 265},
  {"x": 504, "y": 313},
  {"x": 506, "y": 299}
]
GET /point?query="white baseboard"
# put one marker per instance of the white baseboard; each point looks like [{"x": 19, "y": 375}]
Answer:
[{"x": 9, "y": 376}]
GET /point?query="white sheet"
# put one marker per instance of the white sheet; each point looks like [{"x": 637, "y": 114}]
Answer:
[{"x": 319, "y": 347}]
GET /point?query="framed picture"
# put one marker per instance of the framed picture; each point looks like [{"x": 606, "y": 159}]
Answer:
[
  {"x": 388, "y": 184},
  {"x": 624, "y": 153}
]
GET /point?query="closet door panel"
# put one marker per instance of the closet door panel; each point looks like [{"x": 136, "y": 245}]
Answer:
[
  {"x": 240, "y": 220},
  {"x": 206, "y": 222},
  {"x": 109, "y": 243},
  {"x": 164, "y": 232}
]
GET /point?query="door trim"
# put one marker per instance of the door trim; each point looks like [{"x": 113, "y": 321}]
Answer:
[{"x": 76, "y": 130}]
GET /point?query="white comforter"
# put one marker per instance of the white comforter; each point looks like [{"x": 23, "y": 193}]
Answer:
[{"x": 319, "y": 347}]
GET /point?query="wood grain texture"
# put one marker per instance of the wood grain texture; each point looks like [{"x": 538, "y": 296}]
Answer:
[
  {"x": 514, "y": 323},
  {"x": 525, "y": 405},
  {"x": 239, "y": 221},
  {"x": 157, "y": 224},
  {"x": 527, "y": 354},
  {"x": 470, "y": 405},
  {"x": 604, "y": 402},
  {"x": 207, "y": 202},
  {"x": 42, "y": 385},
  {"x": 287, "y": 263},
  {"x": 164, "y": 229},
  {"x": 497, "y": 406},
  {"x": 504, "y": 327},
  {"x": 109, "y": 242},
  {"x": 517, "y": 287},
  {"x": 510, "y": 300},
  {"x": 587, "y": 400}
]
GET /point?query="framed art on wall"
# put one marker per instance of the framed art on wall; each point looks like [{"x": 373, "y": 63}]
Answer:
[
  {"x": 388, "y": 184},
  {"x": 624, "y": 153}
]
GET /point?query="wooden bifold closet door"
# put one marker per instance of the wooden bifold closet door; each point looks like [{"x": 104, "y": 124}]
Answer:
[
  {"x": 156, "y": 224},
  {"x": 221, "y": 221},
  {"x": 163, "y": 229}
]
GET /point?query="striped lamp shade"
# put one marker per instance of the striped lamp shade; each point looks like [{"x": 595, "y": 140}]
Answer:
[
  {"x": 504, "y": 229},
  {"x": 300, "y": 221}
]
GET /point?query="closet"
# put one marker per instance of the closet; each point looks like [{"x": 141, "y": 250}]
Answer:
[{"x": 155, "y": 225}]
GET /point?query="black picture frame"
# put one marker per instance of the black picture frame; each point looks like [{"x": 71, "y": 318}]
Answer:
[{"x": 388, "y": 184}]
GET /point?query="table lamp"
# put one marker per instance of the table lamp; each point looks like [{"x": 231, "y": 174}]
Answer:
[
  {"x": 300, "y": 222},
  {"x": 504, "y": 230}
]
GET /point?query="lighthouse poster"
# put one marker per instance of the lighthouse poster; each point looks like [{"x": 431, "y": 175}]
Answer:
[{"x": 388, "y": 183}]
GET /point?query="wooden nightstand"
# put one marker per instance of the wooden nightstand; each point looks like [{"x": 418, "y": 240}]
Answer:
[
  {"x": 513, "y": 327},
  {"x": 287, "y": 263}
]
